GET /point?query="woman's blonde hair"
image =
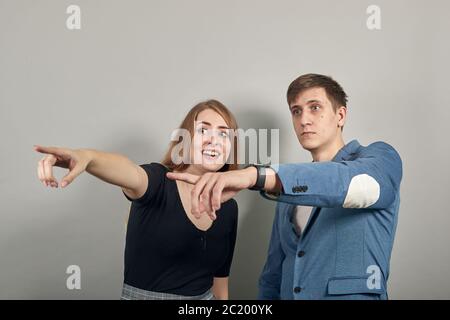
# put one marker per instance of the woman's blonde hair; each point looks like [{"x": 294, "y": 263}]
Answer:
[{"x": 189, "y": 124}]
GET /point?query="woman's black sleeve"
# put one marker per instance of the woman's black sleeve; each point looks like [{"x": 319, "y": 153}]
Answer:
[
  {"x": 156, "y": 175},
  {"x": 224, "y": 271}
]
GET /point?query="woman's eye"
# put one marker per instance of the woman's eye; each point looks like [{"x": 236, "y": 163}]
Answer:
[
  {"x": 224, "y": 134},
  {"x": 202, "y": 130}
]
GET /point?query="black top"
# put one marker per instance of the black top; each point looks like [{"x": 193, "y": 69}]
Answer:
[{"x": 165, "y": 251}]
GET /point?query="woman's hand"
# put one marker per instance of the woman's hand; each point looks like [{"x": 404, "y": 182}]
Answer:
[{"x": 75, "y": 161}]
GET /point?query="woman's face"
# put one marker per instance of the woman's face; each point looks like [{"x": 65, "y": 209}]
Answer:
[{"x": 211, "y": 142}]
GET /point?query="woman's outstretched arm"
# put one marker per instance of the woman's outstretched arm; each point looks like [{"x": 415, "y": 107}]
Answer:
[{"x": 112, "y": 168}]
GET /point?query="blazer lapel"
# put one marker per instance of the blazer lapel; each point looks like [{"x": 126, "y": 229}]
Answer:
[{"x": 314, "y": 213}]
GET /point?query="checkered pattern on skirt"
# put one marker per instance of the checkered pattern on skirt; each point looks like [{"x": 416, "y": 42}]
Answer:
[{"x": 133, "y": 293}]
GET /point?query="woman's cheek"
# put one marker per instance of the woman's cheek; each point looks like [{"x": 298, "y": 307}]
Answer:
[
  {"x": 196, "y": 152},
  {"x": 226, "y": 150}
]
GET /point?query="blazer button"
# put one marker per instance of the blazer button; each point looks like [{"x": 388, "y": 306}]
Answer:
[
  {"x": 305, "y": 188},
  {"x": 294, "y": 189},
  {"x": 297, "y": 289},
  {"x": 301, "y": 254}
]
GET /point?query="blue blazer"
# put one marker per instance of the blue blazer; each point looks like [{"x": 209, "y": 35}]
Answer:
[{"x": 344, "y": 250}]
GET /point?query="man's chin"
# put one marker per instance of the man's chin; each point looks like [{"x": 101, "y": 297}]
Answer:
[{"x": 308, "y": 145}]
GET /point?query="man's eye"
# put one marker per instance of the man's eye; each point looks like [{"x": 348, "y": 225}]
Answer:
[
  {"x": 315, "y": 107},
  {"x": 295, "y": 112}
]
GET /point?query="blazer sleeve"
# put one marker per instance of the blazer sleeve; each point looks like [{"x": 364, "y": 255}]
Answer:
[{"x": 371, "y": 180}]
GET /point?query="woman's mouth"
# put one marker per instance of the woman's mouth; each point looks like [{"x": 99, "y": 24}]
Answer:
[{"x": 211, "y": 154}]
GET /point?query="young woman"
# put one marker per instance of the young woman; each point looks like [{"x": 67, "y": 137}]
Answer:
[{"x": 169, "y": 254}]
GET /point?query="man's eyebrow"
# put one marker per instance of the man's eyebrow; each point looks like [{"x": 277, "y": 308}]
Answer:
[
  {"x": 307, "y": 102},
  {"x": 313, "y": 101}
]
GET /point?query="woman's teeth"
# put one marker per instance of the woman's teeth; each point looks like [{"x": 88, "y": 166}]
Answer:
[{"x": 211, "y": 153}]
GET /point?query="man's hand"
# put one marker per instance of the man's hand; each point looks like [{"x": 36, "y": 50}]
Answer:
[{"x": 214, "y": 188}]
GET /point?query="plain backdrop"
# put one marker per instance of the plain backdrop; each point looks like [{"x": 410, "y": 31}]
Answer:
[{"x": 126, "y": 79}]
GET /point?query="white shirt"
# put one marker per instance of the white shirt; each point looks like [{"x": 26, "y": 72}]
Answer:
[{"x": 301, "y": 217}]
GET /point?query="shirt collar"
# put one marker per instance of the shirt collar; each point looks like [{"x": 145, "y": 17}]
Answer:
[{"x": 346, "y": 151}]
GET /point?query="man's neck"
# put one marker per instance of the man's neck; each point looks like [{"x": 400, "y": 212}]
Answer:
[{"x": 327, "y": 152}]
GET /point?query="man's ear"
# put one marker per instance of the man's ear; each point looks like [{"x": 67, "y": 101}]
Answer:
[{"x": 342, "y": 113}]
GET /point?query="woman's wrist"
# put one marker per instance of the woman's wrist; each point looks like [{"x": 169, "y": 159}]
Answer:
[
  {"x": 251, "y": 174},
  {"x": 89, "y": 155}
]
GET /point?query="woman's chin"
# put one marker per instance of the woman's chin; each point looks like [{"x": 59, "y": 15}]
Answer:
[
  {"x": 211, "y": 166},
  {"x": 207, "y": 163}
]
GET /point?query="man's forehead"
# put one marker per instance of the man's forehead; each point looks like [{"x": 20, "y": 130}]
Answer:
[{"x": 309, "y": 96}]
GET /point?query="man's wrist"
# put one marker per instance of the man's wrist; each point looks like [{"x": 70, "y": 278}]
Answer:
[{"x": 273, "y": 183}]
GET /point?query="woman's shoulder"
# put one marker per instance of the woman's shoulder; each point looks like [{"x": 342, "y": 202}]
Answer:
[
  {"x": 155, "y": 167},
  {"x": 158, "y": 165},
  {"x": 156, "y": 172}
]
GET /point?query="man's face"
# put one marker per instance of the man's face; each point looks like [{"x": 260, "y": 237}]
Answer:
[{"x": 315, "y": 121}]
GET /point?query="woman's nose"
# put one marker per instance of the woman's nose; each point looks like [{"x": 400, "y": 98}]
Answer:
[{"x": 212, "y": 138}]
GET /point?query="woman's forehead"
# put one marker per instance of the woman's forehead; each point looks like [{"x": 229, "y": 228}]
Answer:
[{"x": 212, "y": 118}]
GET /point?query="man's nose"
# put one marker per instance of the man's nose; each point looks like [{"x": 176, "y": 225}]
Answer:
[{"x": 305, "y": 119}]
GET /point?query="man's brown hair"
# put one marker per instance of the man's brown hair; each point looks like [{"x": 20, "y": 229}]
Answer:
[{"x": 334, "y": 91}]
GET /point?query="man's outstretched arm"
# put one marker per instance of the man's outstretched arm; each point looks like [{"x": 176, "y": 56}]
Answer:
[
  {"x": 214, "y": 188},
  {"x": 371, "y": 180}
]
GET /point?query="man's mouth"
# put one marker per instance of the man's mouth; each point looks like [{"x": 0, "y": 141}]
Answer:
[{"x": 308, "y": 133}]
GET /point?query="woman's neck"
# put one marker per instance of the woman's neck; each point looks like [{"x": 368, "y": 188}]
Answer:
[{"x": 195, "y": 170}]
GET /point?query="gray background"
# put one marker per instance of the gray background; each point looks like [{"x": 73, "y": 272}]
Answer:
[{"x": 126, "y": 79}]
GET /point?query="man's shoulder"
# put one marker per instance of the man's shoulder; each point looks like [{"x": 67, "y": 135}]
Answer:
[
  {"x": 378, "y": 147},
  {"x": 386, "y": 155}
]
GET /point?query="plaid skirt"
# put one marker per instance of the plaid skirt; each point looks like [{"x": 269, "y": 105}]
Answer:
[{"x": 133, "y": 293}]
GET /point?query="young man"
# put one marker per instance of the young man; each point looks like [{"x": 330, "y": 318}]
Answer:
[{"x": 336, "y": 217}]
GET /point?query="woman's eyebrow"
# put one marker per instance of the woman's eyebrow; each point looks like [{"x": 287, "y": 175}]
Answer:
[
  {"x": 209, "y": 124},
  {"x": 203, "y": 122}
]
